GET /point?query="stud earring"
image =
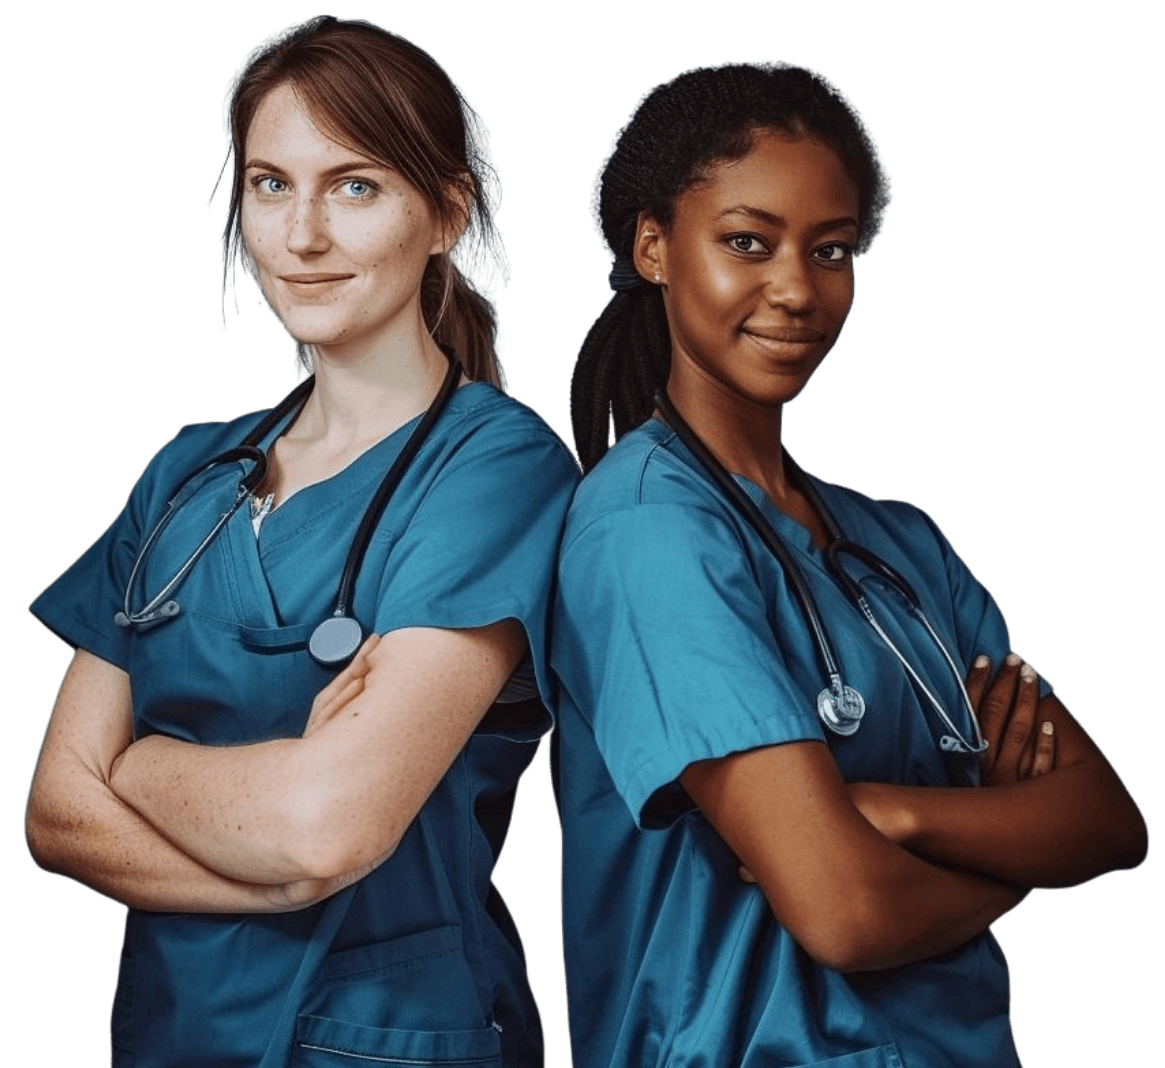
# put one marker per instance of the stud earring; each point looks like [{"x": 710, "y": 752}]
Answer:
[{"x": 657, "y": 277}]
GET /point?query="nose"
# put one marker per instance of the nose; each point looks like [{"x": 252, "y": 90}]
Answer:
[
  {"x": 307, "y": 231},
  {"x": 790, "y": 284}
]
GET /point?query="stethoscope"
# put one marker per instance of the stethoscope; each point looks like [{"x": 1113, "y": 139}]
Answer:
[
  {"x": 335, "y": 640},
  {"x": 840, "y": 707}
]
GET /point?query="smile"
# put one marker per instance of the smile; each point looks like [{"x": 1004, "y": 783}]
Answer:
[
  {"x": 313, "y": 285},
  {"x": 785, "y": 335}
]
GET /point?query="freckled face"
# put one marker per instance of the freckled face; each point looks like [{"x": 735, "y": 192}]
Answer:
[
  {"x": 339, "y": 243},
  {"x": 757, "y": 270}
]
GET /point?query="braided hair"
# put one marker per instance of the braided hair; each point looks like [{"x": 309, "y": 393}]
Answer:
[{"x": 680, "y": 132}]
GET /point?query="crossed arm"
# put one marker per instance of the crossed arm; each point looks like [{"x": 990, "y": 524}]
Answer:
[
  {"x": 871, "y": 876},
  {"x": 171, "y": 826}
]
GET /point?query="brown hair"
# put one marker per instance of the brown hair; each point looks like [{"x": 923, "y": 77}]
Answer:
[{"x": 383, "y": 97}]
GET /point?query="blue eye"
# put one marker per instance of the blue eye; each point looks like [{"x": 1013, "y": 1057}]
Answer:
[
  {"x": 269, "y": 185},
  {"x": 359, "y": 188}
]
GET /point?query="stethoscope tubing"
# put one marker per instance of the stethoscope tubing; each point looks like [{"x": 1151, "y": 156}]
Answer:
[
  {"x": 838, "y": 695},
  {"x": 336, "y": 639}
]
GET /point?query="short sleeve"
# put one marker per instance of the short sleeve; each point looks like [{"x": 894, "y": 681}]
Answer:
[
  {"x": 79, "y": 607},
  {"x": 979, "y": 623},
  {"x": 482, "y": 545},
  {"x": 662, "y": 634}
]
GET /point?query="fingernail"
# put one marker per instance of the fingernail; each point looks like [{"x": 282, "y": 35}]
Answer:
[
  {"x": 1027, "y": 673},
  {"x": 1014, "y": 660},
  {"x": 1048, "y": 727},
  {"x": 981, "y": 662}
]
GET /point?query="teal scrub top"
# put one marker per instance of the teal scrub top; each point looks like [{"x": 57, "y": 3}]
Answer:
[
  {"x": 675, "y": 638},
  {"x": 419, "y": 961}
]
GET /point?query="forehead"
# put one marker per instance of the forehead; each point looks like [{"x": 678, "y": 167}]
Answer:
[
  {"x": 283, "y": 127},
  {"x": 795, "y": 178}
]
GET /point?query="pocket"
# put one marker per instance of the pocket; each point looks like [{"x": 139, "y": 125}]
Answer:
[
  {"x": 419, "y": 982},
  {"x": 878, "y": 1057},
  {"x": 324, "y": 1043}
]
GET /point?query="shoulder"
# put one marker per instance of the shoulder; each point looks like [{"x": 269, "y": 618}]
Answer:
[
  {"x": 483, "y": 425},
  {"x": 865, "y": 519},
  {"x": 191, "y": 447},
  {"x": 646, "y": 473}
]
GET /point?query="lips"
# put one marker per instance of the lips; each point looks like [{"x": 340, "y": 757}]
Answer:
[
  {"x": 313, "y": 278},
  {"x": 785, "y": 335}
]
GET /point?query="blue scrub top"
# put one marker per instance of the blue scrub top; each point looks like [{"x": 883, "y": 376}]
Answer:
[
  {"x": 675, "y": 638},
  {"x": 418, "y": 962}
]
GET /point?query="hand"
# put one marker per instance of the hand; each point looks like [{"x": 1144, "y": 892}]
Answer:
[
  {"x": 1008, "y": 708},
  {"x": 343, "y": 689}
]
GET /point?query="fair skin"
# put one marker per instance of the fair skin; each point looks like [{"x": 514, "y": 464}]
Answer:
[
  {"x": 338, "y": 243},
  {"x": 757, "y": 282}
]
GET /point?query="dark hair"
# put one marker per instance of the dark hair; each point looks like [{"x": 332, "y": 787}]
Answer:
[
  {"x": 383, "y": 97},
  {"x": 678, "y": 134}
]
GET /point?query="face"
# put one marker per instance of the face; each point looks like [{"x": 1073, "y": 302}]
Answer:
[
  {"x": 339, "y": 243},
  {"x": 757, "y": 270}
]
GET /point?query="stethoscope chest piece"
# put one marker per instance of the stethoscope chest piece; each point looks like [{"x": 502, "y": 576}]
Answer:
[
  {"x": 841, "y": 708},
  {"x": 335, "y": 640}
]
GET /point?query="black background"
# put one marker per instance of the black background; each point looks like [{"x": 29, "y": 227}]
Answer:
[{"x": 983, "y": 374}]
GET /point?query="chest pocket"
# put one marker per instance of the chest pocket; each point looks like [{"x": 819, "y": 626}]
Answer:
[{"x": 215, "y": 682}]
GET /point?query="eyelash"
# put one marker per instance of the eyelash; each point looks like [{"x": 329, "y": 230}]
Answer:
[
  {"x": 735, "y": 240},
  {"x": 257, "y": 184}
]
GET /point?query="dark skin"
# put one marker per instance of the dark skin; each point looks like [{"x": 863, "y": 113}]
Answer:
[{"x": 757, "y": 281}]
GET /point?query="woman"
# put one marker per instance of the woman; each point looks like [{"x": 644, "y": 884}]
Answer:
[
  {"x": 305, "y": 847},
  {"x": 736, "y": 891}
]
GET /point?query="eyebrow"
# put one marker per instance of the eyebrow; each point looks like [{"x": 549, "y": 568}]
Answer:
[
  {"x": 776, "y": 220},
  {"x": 331, "y": 172}
]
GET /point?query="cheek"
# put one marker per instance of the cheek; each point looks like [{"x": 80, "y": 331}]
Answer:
[{"x": 254, "y": 235}]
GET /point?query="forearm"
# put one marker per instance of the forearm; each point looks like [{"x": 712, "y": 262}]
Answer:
[
  {"x": 1060, "y": 829},
  {"x": 230, "y": 808},
  {"x": 91, "y": 836},
  {"x": 909, "y": 910}
]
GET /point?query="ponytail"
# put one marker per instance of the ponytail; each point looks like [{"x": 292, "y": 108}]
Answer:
[
  {"x": 623, "y": 361},
  {"x": 460, "y": 319}
]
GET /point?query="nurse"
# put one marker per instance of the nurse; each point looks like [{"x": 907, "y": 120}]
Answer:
[
  {"x": 744, "y": 885},
  {"x": 306, "y": 849}
]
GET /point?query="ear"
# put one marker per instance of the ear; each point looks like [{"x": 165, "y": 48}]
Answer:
[
  {"x": 456, "y": 209},
  {"x": 649, "y": 253}
]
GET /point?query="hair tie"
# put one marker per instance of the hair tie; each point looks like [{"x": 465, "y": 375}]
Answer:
[{"x": 623, "y": 275}]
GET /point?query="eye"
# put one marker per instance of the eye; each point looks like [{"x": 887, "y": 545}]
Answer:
[
  {"x": 835, "y": 252},
  {"x": 359, "y": 188},
  {"x": 747, "y": 244},
  {"x": 268, "y": 185}
]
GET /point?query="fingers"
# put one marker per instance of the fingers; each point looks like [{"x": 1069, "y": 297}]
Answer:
[
  {"x": 994, "y": 703},
  {"x": 1015, "y": 751},
  {"x": 1045, "y": 754},
  {"x": 977, "y": 679},
  {"x": 1014, "y": 759},
  {"x": 345, "y": 687}
]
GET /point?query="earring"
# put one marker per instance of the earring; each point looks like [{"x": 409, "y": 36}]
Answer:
[{"x": 657, "y": 277}]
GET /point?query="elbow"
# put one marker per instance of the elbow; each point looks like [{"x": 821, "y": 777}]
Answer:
[
  {"x": 846, "y": 948},
  {"x": 1131, "y": 840},
  {"x": 326, "y": 841},
  {"x": 847, "y": 935},
  {"x": 46, "y": 838}
]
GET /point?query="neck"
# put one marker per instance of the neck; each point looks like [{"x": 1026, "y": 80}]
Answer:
[
  {"x": 743, "y": 435},
  {"x": 366, "y": 395}
]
